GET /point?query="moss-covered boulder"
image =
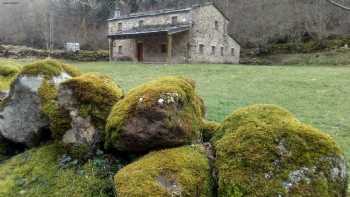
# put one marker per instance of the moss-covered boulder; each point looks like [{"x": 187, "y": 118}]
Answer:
[
  {"x": 24, "y": 116},
  {"x": 46, "y": 171},
  {"x": 265, "y": 151},
  {"x": 88, "y": 99},
  {"x": 163, "y": 113},
  {"x": 181, "y": 171}
]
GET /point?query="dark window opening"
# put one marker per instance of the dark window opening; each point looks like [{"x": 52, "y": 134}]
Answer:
[
  {"x": 201, "y": 49},
  {"x": 120, "y": 26},
  {"x": 174, "y": 20},
  {"x": 141, "y": 22},
  {"x": 222, "y": 51},
  {"x": 163, "y": 48},
  {"x": 217, "y": 25},
  {"x": 120, "y": 49},
  {"x": 213, "y": 50},
  {"x": 232, "y": 51}
]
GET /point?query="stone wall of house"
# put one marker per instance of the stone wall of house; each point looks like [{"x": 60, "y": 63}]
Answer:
[
  {"x": 212, "y": 40},
  {"x": 164, "y": 19},
  {"x": 127, "y": 52}
]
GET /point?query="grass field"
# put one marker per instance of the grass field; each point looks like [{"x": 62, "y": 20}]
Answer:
[{"x": 318, "y": 95}]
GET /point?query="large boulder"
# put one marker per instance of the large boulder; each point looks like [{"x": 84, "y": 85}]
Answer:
[
  {"x": 162, "y": 113},
  {"x": 88, "y": 100},
  {"x": 21, "y": 117},
  {"x": 265, "y": 151},
  {"x": 47, "y": 171},
  {"x": 181, "y": 171}
]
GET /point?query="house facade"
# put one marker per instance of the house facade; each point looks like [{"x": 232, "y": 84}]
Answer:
[{"x": 192, "y": 35}]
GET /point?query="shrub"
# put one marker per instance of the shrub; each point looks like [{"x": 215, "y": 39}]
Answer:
[
  {"x": 264, "y": 151},
  {"x": 174, "y": 172}
]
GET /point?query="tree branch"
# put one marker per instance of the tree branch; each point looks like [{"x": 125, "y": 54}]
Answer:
[{"x": 339, "y": 5}]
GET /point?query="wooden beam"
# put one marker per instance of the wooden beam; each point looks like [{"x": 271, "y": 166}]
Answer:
[
  {"x": 170, "y": 49},
  {"x": 110, "y": 45}
]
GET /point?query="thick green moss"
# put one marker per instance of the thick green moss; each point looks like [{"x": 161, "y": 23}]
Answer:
[
  {"x": 174, "y": 172},
  {"x": 49, "y": 68},
  {"x": 59, "y": 118},
  {"x": 71, "y": 70},
  {"x": 146, "y": 96},
  {"x": 7, "y": 74},
  {"x": 95, "y": 95},
  {"x": 209, "y": 129},
  {"x": 45, "y": 172},
  {"x": 259, "y": 114},
  {"x": 266, "y": 152}
]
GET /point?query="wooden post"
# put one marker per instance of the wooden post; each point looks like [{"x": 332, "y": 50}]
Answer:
[
  {"x": 110, "y": 44},
  {"x": 170, "y": 48}
]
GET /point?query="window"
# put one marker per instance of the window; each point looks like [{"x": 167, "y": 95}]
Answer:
[
  {"x": 222, "y": 51},
  {"x": 201, "y": 49},
  {"x": 120, "y": 49},
  {"x": 233, "y": 51},
  {"x": 217, "y": 25},
  {"x": 174, "y": 20},
  {"x": 163, "y": 48},
  {"x": 141, "y": 23},
  {"x": 120, "y": 26},
  {"x": 213, "y": 50}
]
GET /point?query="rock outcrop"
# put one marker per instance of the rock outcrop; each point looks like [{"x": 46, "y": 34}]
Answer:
[
  {"x": 265, "y": 151},
  {"x": 181, "y": 171},
  {"x": 21, "y": 117},
  {"x": 159, "y": 114}
]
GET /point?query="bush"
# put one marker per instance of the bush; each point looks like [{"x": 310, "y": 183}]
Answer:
[
  {"x": 181, "y": 171},
  {"x": 265, "y": 152}
]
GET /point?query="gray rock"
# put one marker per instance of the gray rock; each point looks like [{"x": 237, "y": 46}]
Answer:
[
  {"x": 21, "y": 119},
  {"x": 83, "y": 131}
]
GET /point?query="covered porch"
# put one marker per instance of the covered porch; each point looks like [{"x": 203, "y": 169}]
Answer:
[{"x": 152, "y": 44}]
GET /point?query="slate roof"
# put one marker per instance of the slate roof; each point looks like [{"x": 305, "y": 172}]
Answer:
[
  {"x": 166, "y": 11},
  {"x": 149, "y": 30}
]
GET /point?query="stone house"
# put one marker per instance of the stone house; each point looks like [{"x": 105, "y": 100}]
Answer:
[{"x": 197, "y": 34}]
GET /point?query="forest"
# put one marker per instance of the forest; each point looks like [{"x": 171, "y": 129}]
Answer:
[{"x": 254, "y": 23}]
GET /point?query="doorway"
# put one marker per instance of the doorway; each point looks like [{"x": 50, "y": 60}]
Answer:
[{"x": 139, "y": 54}]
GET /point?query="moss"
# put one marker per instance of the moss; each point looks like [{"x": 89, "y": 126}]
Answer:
[
  {"x": 59, "y": 118},
  {"x": 268, "y": 153},
  {"x": 259, "y": 114},
  {"x": 71, "y": 70},
  {"x": 209, "y": 129},
  {"x": 42, "y": 171},
  {"x": 95, "y": 94},
  {"x": 156, "y": 174},
  {"x": 146, "y": 96},
  {"x": 7, "y": 74},
  {"x": 49, "y": 68}
]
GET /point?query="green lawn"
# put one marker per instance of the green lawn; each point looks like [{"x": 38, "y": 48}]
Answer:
[{"x": 318, "y": 95}]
